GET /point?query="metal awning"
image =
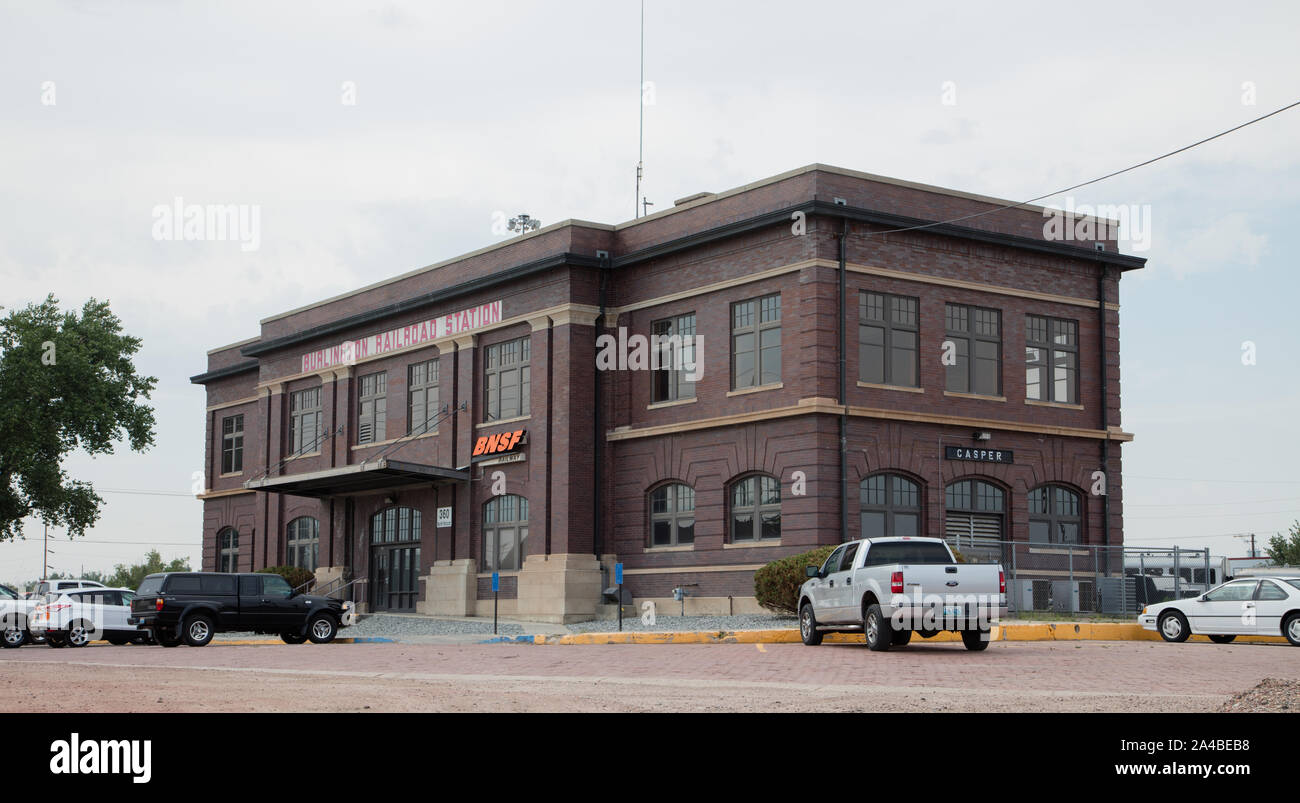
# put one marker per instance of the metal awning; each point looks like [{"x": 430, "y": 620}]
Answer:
[{"x": 368, "y": 477}]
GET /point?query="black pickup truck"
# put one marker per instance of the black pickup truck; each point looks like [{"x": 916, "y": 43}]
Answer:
[{"x": 194, "y": 606}]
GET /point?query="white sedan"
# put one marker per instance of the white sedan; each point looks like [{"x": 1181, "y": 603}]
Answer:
[{"x": 1258, "y": 606}]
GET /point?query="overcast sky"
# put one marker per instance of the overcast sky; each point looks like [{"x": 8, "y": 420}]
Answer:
[{"x": 460, "y": 111}]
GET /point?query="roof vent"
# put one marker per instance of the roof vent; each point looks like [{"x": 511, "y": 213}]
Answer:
[{"x": 697, "y": 196}]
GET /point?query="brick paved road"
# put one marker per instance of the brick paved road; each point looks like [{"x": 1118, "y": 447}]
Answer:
[{"x": 1061, "y": 676}]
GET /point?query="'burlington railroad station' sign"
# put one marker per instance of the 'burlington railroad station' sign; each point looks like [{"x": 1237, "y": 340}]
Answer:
[{"x": 453, "y": 323}]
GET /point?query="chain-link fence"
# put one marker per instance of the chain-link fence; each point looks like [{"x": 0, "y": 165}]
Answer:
[{"x": 1083, "y": 578}]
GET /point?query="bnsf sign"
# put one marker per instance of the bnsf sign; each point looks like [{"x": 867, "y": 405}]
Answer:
[{"x": 488, "y": 445}]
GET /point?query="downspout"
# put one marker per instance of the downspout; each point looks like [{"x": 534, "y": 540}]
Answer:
[
  {"x": 1105, "y": 403},
  {"x": 598, "y": 472},
  {"x": 842, "y": 323}
]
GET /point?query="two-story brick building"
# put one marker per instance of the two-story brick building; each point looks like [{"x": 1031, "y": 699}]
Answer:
[{"x": 861, "y": 368}]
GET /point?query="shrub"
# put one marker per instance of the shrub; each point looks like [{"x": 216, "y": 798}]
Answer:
[
  {"x": 776, "y": 585},
  {"x": 294, "y": 575}
]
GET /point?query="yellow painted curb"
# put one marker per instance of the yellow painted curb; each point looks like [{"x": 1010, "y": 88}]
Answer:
[{"x": 1046, "y": 631}]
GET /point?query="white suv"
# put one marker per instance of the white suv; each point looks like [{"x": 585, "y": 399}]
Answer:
[
  {"x": 14, "y": 614},
  {"x": 76, "y": 618},
  {"x": 48, "y": 586}
]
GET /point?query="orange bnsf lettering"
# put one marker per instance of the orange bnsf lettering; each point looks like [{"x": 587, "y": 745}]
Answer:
[
  {"x": 493, "y": 442},
  {"x": 480, "y": 446},
  {"x": 514, "y": 440}
]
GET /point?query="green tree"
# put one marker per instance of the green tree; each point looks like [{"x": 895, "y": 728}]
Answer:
[
  {"x": 67, "y": 382},
  {"x": 1285, "y": 549},
  {"x": 124, "y": 576}
]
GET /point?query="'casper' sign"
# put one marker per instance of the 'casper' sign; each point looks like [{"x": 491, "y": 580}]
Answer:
[
  {"x": 980, "y": 454},
  {"x": 453, "y": 323}
]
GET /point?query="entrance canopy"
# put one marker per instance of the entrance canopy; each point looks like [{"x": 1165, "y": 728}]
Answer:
[{"x": 368, "y": 477}]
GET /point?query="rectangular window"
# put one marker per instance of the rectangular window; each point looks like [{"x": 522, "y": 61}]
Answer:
[
  {"x": 976, "y": 334},
  {"x": 674, "y": 348},
  {"x": 304, "y": 421},
  {"x": 756, "y": 342},
  {"x": 887, "y": 339},
  {"x": 232, "y": 444},
  {"x": 506, "y": 379},
  {"x": 372, "y": 407},
  {"x": 422, "y": 397},
  {"x": 1051, "y": 359}
]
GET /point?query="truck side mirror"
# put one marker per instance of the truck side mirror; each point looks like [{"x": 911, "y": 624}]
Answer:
[{"x": 812, "y": 571}]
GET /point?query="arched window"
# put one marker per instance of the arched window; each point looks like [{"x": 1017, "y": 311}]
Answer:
[
  {"x": 505, "y": 530},
  {"x": 228, "y": 550},
  {"x": 395, "y": 559},
  {"x": 973, "y": 515},
  {"x": 1054, "y": 515},
  {"x": 756, "y": 508},
  {"x": 891, "y": 506},
  {"x": 304, "y": 543},
  {"x": 672, "y": 515}
]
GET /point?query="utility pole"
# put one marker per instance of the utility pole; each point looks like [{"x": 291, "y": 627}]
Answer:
[
  {"x": 640, "y": 95},
  {"x": 45, "y": 570}
]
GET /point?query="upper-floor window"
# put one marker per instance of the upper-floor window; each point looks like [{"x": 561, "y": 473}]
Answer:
[
  {"x": 756, "y": 508},
  {"x": 672, "y": 515},
  {"x": 232, "y": 444},
  {"x": 304, "y": 421},
  {"x": 756, "y": 342},
  {"x": 422, "y": 397},
  {"x": 675, "y": 341},
  {"x": 1051, "y": 359},
  {"x": 372, "y": 407},
  {"x": 887, "y": 339},
  {"x": 977, "y": 334},
  {"x": 506, "y": 379}
]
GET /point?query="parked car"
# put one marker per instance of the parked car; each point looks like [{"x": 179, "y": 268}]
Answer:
[
  {"x": 76, "y": 618},
  {"x": 44, "y": 587},
  {"x": 889, "y": 588},
  {"x": 195, "y": 606},
  {"x": 1255, "y": 606},
  {"x": 14, "y": 615}
]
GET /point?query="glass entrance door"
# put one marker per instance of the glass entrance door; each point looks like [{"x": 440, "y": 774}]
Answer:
[{"x": 395, "y": 578}]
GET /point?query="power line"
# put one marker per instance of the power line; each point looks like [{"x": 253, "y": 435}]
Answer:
[
  {"x": 1216, "y": 515},
  {"x": 1210, "y": 504},
  {"x": 141, "y": 492},
  {"x": 1091, "y": 181}
]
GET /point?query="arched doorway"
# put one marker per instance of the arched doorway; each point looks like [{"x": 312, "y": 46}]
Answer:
[{"x": 395, "y": 559}]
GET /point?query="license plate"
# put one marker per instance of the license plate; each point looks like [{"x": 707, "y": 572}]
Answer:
[{"x": 951, "y": 611}]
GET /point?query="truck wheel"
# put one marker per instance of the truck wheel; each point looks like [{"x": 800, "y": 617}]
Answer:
[
  {"x": 975, "y": 640},
  {"x": 292, "y": 638},
  {"x": 117, "y": 641},
  {"x": 808, "y": 626},
  {"x": 167, "y": 639},
  {"x": 322, "y": 629},
  {"x": 1173, "y": 627},
  {"x": 879, "y": 633},
  {"x": 1222, "y": 639},
  {"x": 55, "y": 641},
  {"x": 197, "y": 630},
  {"x": 901, "y": 637}
]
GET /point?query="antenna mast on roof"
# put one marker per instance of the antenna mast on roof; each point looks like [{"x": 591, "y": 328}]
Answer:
[{"x": 640, "y": 152}]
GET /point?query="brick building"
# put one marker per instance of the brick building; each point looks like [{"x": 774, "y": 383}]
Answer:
[{"x": 490, "y": 412}]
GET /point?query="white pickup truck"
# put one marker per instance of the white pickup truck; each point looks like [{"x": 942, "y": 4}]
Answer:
[{"x": 888, "y": 588}]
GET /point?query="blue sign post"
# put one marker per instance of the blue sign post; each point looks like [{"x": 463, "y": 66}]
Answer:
[
  {"x": 618, "y": 581},
  {"x": 496, "y": 588}
]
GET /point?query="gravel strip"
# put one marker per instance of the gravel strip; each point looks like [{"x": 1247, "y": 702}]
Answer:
[
  {"x": 706, "y": 624},
  {"x": 1271, "y": 696}
]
